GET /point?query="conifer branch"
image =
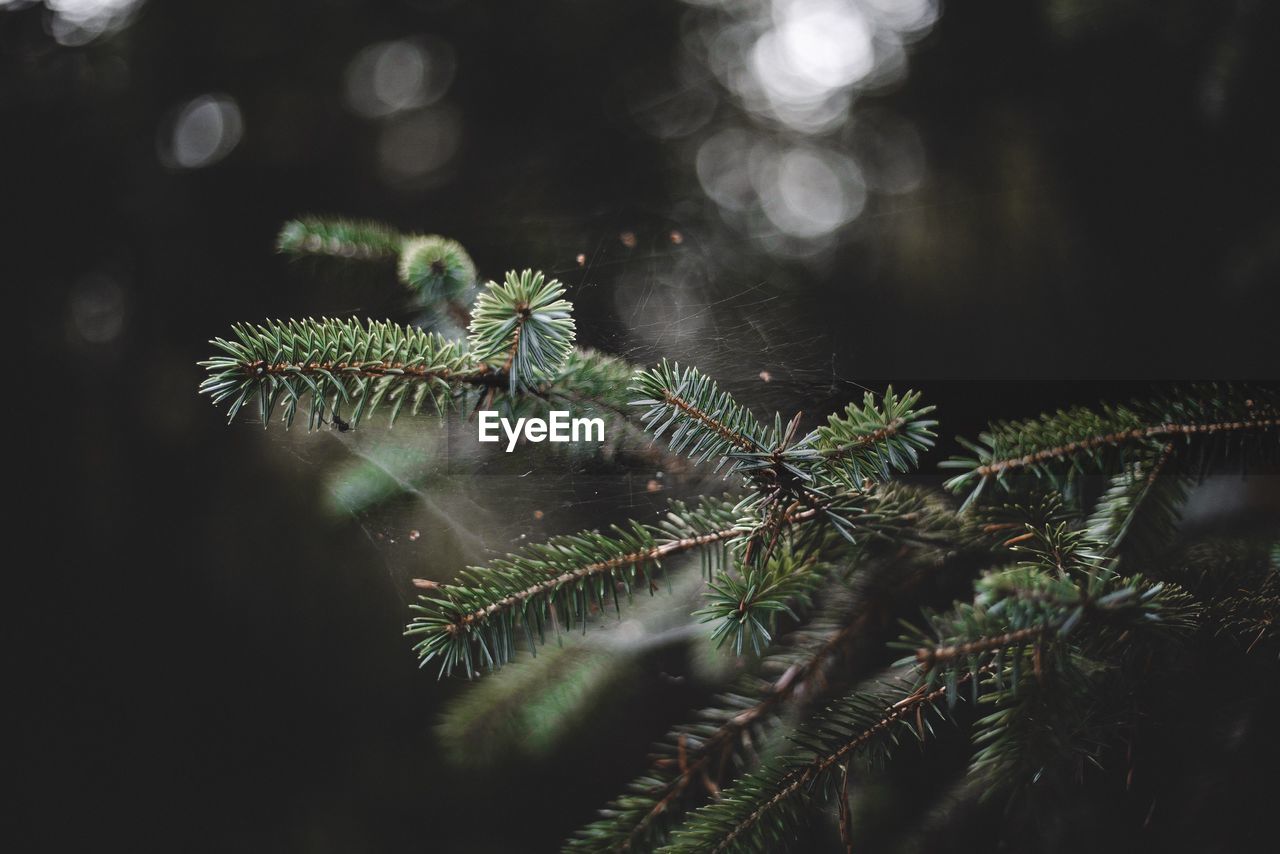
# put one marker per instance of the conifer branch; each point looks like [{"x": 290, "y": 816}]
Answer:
[
  {"x": 1213, "y": 419},
  {"x": 788, "y": 473},
  {"x": 1072, "y": 611},
  {"x": 524, "y": 326},
  {"x": 1038, "y": 604},
  {"x": 1065, "y": 585},
  {"x": 875, "y": 440},
  {"x": 484, "y": 610},
  {"x": 820, "y": 655},
  {"x": 436, "y": 269},
  {"x": 337, "y": 364},
  {"x": 628, "y": 823},
  {"x": 608, "y": 565},
  {"x": 695, "y": 763},
  {"x": 569, "y": 577},
  {"x": 854, "y": 724},
  {"x": 747, "y": 597},
  {"x": 707, "y": 422},
  {"x": 1063, "y": 717},
  {"x": 744, "y": 604},
  {"x": 929, "y": 656},
  {"x": 857, "y": 723},
  {"x": 339, "y": 238},
  {"x": 1138, "y": 515},
  {"x": 1090, "y": 443},
  {"x": 439, "y": 270}
]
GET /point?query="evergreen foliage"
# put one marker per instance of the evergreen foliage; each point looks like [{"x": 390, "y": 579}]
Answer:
[
  {"x": 524, "y": 324},
  {"x": 436, "y": 267},
  {"x": 336, "y": 364},
  {"x": 438, "y": 270},
  {"x": 562, "y": 582},
  {"x": 1032, "y": 625},
  {"x": 875, "y": 440},
  {"x": 704, "y": 421},
  {"x": 1203, "y": 423},
  {"x": 339, "y": 238}
]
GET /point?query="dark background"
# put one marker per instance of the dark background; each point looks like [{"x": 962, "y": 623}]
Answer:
[{"x": 204, "y": 663}]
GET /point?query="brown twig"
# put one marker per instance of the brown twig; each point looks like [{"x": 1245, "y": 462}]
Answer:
[
  {"x": 727, "y": 433},
  {"x": 890, "y": 429},
  {"x": 929, "y": 656},
  {"x": 482, "y": 376},
  {"x": 1120, "y": 437},
  {"x": 630, "y": 559}
]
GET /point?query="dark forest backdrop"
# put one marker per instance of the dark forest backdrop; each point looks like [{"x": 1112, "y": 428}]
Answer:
[{"x": 208, "y": 661}]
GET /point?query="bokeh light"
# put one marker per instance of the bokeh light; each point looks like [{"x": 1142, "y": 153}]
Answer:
[
  {"x": 798, "y": 157},
  {"x": 414, "y": 146},
  {"x": 78, "y": 22},
  {"x": 390, "y": 77},
  {"x": 97, "y": 303},
  {"x": 809, "y": 192},
  {"x": 400, "y": 85},
  {"x": 201, "y": 132}
]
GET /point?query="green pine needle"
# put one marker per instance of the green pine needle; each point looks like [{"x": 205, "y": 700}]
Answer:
[
  {"x": 340, "y": 238},
  {"x": 704, "y": 421},
  {"x": 1204, "y": 423},
  {"x": 557, "y": 585},
  {"x": 343, "y": 368},
  {"x": 876, "y": 439},
  {"x": 524, "y": 328},
  {"x": 436, "y": 268},
  {"x": 745, "y": 603}
]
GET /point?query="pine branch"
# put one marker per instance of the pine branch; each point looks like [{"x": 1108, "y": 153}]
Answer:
[
  {"x": 339, "y": 238},
  {"x": 1139, "y": 514},
  {"x": 1061, "y": 446},
  {"x": 438, "y": 269},
  {"x": 761, "y": 811},
  {"x": 696, "y": 756},
  {"x": 875, "y": 440},
  {"x": 731, "y": 434},
  {"x": 1066, "y": 585},
  {"x": 745, "y": 603},
  {"x": 525, "y": 327},
  {"x": 707, "y": 422},
  {"x": 820, "y": 655},
  {"x": 535, "y": 707},
  {"x": 561, "y": 581},
  {"x": 1058, "y": 721},
  {"x": 746, "y": 598},
  {"x": 1022, "y": 604},
  {"x": 481, "y": 614},
  {"x": 337, "y": 364},
  {"x": 809, "y": 475}
]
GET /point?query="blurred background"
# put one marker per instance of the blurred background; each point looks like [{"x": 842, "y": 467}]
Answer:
[{"x": 1011, "y": 205}]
